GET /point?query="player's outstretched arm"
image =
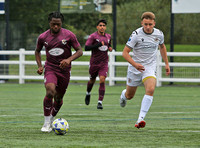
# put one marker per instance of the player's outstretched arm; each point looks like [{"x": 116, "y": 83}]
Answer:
[
  {"x": 128, "y": 58},
  {"x": 163, "y": 52},
  {"x": 39, "y": 62}
]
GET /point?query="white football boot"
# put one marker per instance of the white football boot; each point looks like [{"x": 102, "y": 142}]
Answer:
[
  {"x": 122, "y": 100},
  {"x": 46, "y": 127}
]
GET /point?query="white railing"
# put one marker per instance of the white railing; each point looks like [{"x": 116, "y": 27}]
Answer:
[
  {"x": 160, "y": 64},
  {"x": 112, "y": 64}
]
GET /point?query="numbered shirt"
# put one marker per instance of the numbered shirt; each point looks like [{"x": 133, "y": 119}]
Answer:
[
  {"x": 57, "y": 46},
  {"x": 145, "y": 46},
  {"x": 99, "y": 55}
]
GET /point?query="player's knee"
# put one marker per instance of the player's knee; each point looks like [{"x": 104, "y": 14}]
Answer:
[
  {"x": 50, "y": 93},
  {"x": 92, "y": 80},
  {"x": 150, "y": 91},
  {"x": 102, "y": 79},
  {"x": 129, "y": 96}
]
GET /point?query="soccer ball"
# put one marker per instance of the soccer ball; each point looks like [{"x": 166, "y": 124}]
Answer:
[{"x": 60, "y": 126}]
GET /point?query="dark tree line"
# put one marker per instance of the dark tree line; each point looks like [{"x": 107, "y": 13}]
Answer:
[{"x": 29, "y": 18}]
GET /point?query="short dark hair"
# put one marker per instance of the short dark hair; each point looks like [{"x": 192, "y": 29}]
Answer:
[
  {"x": 55, "y": 14},
  {"x": 102, "y": 21}
]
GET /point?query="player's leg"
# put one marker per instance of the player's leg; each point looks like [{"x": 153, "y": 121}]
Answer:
[
  {"x": 133, "y": 80},
  {"x": 47, "y": 106},
  {"x": 89, "y": 89},
  {"x": 50, "y": 85},
  {"x": 147, "y": 100},
  {"x": 63, "y": 81},
  {"x": 101, "y": 91},
  {"x": 103, "y": 70},
  {"x": 58, "y": 102},
  {"x": 93, "y": 74},
  {"x": 127, "y": 94}
]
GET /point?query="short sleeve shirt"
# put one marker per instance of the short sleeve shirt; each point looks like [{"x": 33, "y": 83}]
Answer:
[
  {"x": 145, "y": 46},
  {"x": 57, "y": 46}
]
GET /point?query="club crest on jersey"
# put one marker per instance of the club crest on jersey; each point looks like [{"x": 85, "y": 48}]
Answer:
[
  {"x": 56, "y": 51},
  {"x": 46, "y": 43},
  {"x": 64, "y": 41},
  {"x": 156, "y": 39}
]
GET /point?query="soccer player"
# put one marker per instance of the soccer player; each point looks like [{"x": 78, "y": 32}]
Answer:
[
  {"x": 99, "y": 43},
  {"x": 57, "y": 42},
  {"x": 144, "y": 43}
]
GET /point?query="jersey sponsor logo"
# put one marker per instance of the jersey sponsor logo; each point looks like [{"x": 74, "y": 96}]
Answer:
[
  {"x": 56, "y": 51},
  {"x": 64, "y": 41},
  {"x": 152, "y": 46},
  {"x": 103, "y": 48},
  {"x": 97, "y": 40},
  {"x": 46, "y": 43}
]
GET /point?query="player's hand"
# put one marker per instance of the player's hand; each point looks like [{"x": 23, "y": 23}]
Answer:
[
  {"x": 64, "y": 63},
  {"x": 167, "y": 69},
  {"x": 110, "y": 49},
  {"x": 40, "y": 70},
  {"x": 139, "y": 67},
  {"x": 102, "y": 43}
]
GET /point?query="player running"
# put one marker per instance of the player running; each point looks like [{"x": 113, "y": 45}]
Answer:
[
  {"x": 57, "y": 42},
  {"x": 144, "y": 43},
  {"x": 99, "y": 43}
]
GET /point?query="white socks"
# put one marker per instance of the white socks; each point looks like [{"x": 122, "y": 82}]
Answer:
[
  {"x": 47, "y": 119},
  {"x": 87, "y": 93},
  {"x": 123, "y": 94},
  {"x": 99, "y": 101},
  {"x": 145, "y": 105}
]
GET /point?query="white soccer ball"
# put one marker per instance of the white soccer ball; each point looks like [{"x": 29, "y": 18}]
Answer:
[{"x": 60, "y": 126}]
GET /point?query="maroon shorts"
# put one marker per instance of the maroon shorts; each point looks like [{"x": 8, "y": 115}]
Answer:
[
  {"x": 100, "y": 69},
  {"x": 61, "y": 80}
]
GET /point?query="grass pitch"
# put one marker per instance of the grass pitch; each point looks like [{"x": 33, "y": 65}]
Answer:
[{"x": 173, "y": 119}]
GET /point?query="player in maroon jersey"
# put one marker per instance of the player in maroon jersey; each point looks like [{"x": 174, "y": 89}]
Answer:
[
  {"x": 99, "y": 43},
  {"x": 57, "y": 42}
]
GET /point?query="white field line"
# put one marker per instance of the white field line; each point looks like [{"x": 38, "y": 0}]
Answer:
[
  {"x": 174, "y": 131},
  {"x": 94, "y": 114}
]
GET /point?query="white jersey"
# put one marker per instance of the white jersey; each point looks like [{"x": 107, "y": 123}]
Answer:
[{"x": 145, "y": 47}]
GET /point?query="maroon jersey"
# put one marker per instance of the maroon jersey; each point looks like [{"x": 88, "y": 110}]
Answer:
[
  {"x": 57, "y": 46},
  {"x": 99, "y": 55}
]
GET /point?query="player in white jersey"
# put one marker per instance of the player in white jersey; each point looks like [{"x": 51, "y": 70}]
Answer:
[{"x": 144, "y": 43}]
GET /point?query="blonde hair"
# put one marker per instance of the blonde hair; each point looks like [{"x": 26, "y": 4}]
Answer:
[{"x": 148, "y": 15}]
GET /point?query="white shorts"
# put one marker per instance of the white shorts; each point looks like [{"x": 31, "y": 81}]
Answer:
[{"x": 136, "y": 78}]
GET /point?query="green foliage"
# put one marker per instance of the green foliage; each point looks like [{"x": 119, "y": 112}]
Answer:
[
  {"x": 33, "y": 13},
  {"x": 128, "y": 17},
  {"x": 87, "y": 21},
  {"x": 80, "y": 34},
  {"x": 172, "y": 121},
  {"x": 29, "y": 18},
  {"x": 185, "y": 25}
]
